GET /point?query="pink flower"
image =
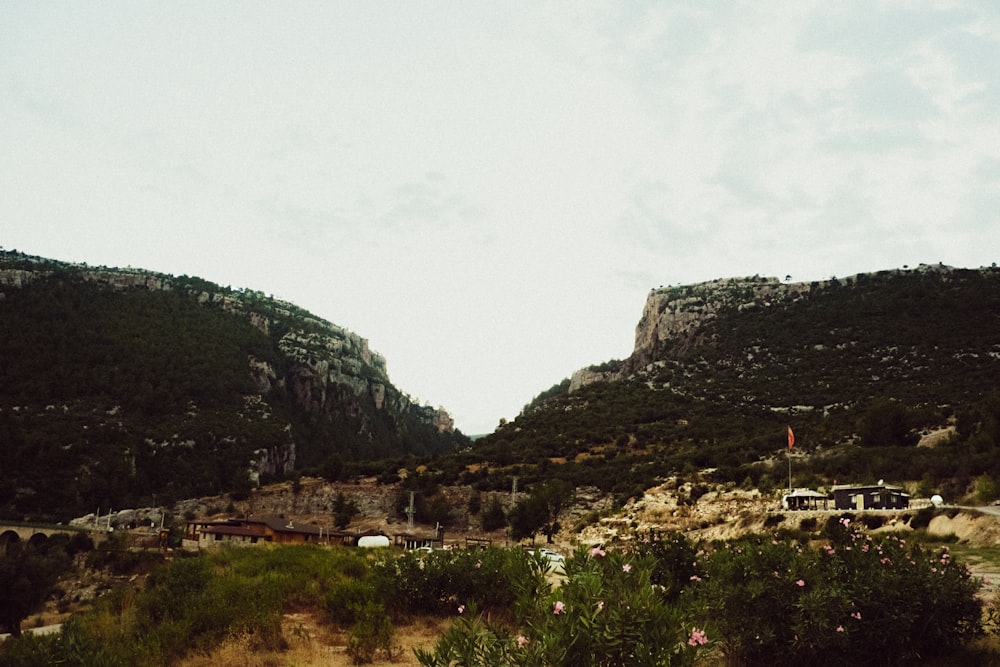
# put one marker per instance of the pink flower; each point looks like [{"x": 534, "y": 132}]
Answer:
[
  {"x": 558, "y": 607},
  {"x": 627, "y": 567},
  {"x": 522, "y": 641},
  {"x": 695, "y": 577},
  {"x": 856, "y": 615},
  {"x": 600, "y": 606},
  {"x": 597, "y": 552},
  {"x": 800, "y": 582},
  {"x": 840, "y": 628},
  {"x": 697, "y": 638},
  {"x": 479, "y": 564},
  {"x": 461, "y": 608}
]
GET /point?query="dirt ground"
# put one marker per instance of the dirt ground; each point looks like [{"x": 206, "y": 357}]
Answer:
[{"x": 311, "y": 643}]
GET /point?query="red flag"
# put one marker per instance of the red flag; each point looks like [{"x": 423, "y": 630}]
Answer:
[{"x": 791, "y": 438}]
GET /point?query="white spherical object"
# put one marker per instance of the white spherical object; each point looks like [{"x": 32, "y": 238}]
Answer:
[{"x": 937, "y": 500}]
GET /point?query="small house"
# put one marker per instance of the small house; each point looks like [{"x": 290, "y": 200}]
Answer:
[
  {"x": 805, "y": 499},
  {"x": 870, "y": 497},
  {"x": 420, "y": 541},
  {"x": 253, "y": 531}
]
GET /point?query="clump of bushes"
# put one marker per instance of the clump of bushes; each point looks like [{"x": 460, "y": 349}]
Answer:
[
  {"x": 758, "y": 600},
  {"x": 440, "y": 581},
  {"x": 662, "y": 601},
  {"x": 194, "y": 603},
  {"x": 855, "y": 600},
  {"x": 608, "y": 611}
]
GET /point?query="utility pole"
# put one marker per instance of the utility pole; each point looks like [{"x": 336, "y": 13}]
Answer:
[{"x": 410, "y": 511}]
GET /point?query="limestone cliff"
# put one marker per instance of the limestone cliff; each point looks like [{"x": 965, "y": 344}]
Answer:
[
  {"x": 675, "y": 319},
  {"x": 306, "y": 389}
]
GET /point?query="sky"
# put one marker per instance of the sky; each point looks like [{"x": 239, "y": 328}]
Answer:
[{"x": 487, "y": 191}]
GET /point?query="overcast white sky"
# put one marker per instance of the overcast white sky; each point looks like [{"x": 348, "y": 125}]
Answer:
[{"x": 486, "y": 191}]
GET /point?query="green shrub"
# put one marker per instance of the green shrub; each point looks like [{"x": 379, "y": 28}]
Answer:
[
  {"x": 371, "y": 632},
  {"x": 676, "y": 560},
  {"x": 193, "y": 603},
  {"x": 857, "y": 600},
  {"x": 440, "y": 581},
  {"x": 346, "y": 601},
  {"x": 608, "y": 611}
]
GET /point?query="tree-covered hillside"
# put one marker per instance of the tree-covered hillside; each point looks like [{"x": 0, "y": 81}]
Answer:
[
  {"x": 860, "y": 368},
  {"x": 121, "y": 387}
]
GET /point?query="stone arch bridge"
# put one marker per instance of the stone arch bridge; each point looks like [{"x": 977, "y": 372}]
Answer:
[{"x": 12, "y": 531}]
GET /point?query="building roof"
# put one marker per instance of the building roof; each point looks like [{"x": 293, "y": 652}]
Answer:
[
  {"x": 865, "y": 487},
  {"x": 255, "y": 526},
  {"x": 279, "y": 525},
  {"x": 806, "y": 493}
]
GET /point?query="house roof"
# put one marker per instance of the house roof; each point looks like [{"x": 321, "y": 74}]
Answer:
[
  {"x": 279, "y": 525},
  {"x": 806, "y": 493},
  {"x": 227, "y": 529},
  {"x": 867, "y": 487},
  {"x": 255, "y": 526}
]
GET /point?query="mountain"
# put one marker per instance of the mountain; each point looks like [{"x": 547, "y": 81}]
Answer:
[
  {"x": 121, "y": 386},
  {"x": 861, "y": 368}
]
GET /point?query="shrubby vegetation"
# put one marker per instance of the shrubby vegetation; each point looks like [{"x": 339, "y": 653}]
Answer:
[
  {"x": 854, "y": 600},
  {"x": 193, "y": 603},
  {"x": 849, "y": 597},
  {"x": 111, "y": 396},
  {"x": 753, "y": 601},
  {"x": 29, "y": 572},
  {"x": 868, "y": 362}
]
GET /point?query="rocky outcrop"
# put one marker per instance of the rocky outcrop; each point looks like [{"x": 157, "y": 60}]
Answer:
[
  {"x": 674, "y": 317},
  {"x": 586, "y": 376},
  {"x": 323, "y": 355}
]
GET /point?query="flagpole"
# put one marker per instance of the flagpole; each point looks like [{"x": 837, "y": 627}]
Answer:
[
  {"x": 791, "y": 443},
  {"x": 789, "y": 469}
]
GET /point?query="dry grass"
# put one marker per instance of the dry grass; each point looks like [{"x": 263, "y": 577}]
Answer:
[{"x": 313, "y": 642}]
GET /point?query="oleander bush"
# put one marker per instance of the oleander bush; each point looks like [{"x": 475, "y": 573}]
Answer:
[
  {"x": 439, "y": 581},
  {"x": 857, "y": 599},
  {"x": 762, "y": 600},
  {"x": 608, "y": 611}
]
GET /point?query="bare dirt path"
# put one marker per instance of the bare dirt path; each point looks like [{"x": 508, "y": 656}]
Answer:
[{"x": 311, "y": 643}]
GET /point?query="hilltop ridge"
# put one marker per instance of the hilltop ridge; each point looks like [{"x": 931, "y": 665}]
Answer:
[
  {"x": 861, "y": 367},
  {"x": 124, "y": 383}
]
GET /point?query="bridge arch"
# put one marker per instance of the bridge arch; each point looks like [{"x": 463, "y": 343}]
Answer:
[
  {"x": 37, "y": 540},
  {"x": 8, "y": 537}
]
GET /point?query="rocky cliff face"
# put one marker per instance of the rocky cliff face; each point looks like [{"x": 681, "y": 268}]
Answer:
[
  {"x": 323, "y": 355},
  {"x": 674, "y": 319}
]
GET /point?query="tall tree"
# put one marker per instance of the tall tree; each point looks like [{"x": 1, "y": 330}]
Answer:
[
  {"x": 27, "y": 576},
  {"x": 886, "y": 424}
]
